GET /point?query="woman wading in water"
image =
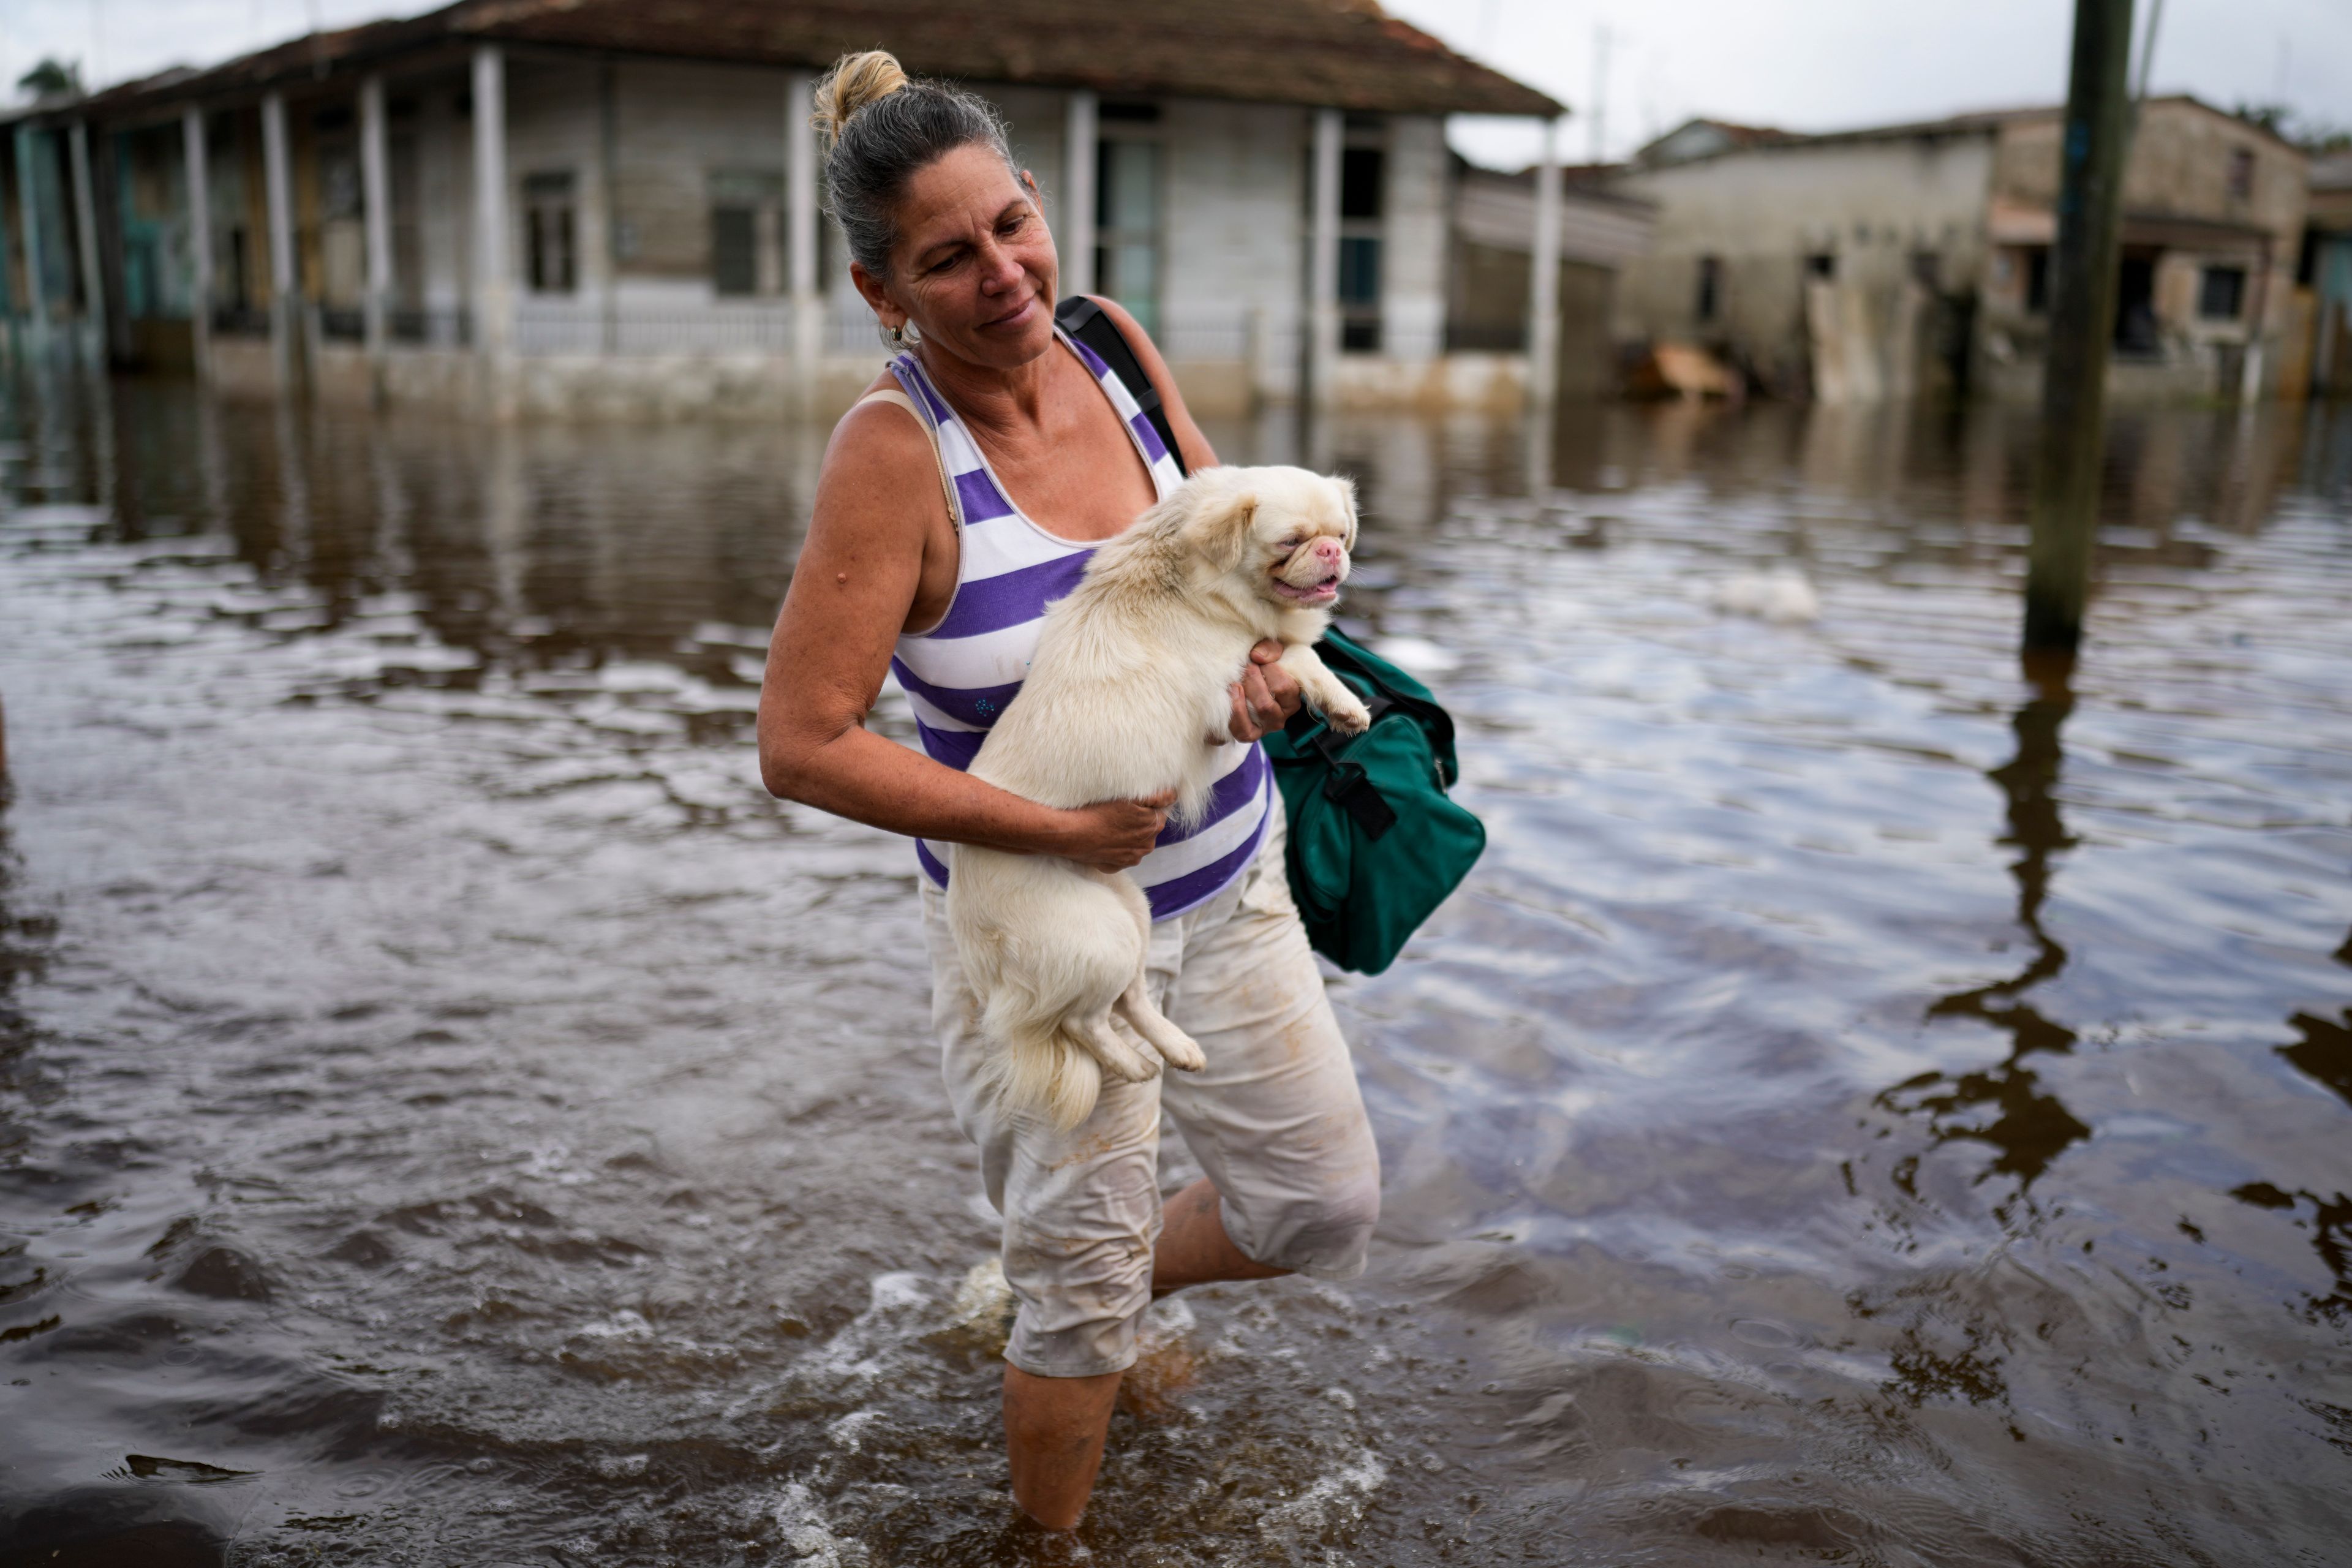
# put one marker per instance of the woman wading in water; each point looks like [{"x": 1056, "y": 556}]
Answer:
[{"x": 944, "y": 582}]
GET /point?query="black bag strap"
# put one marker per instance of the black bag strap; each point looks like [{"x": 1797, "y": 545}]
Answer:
[
  {"x": 1351, "y": 789},
  {"x": 1345, "y": 784},
  {"x": 1086, "y": 320}
]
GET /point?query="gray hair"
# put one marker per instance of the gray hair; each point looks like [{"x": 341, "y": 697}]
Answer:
[{"x": 885, "y": 127}]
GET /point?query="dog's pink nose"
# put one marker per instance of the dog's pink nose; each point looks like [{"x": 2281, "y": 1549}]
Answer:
[{"x": 1330, "y": 550}]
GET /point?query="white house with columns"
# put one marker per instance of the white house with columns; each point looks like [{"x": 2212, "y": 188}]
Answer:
[{"x": 600, "y": 206}]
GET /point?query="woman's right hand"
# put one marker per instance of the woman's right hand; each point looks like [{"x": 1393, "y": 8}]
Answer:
[{"x": 1113, "y": 834}]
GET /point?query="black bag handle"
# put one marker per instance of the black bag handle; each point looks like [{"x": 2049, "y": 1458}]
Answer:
[{"x": 1087, "y": 323}]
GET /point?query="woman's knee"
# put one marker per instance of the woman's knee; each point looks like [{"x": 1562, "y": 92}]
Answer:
[
  {"x": 1326, "y": 1231},
  {"x": 1349, "y": 1208},
  {"x": 1080, "y": 1302}
]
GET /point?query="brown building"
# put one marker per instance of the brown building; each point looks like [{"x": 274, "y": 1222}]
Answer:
[{"x": 1912, "y": 258}]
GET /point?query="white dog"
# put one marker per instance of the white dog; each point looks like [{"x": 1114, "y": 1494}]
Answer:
[{"x": 1127, "y": 697}]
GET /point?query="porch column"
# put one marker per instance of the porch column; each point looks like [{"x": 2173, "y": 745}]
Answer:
[
  {"x": 493, "y": 292},
  {"x": 375, "y": 198},
  {"x": 15, "y": 341},
  {"x": 1323, "y": 260},
  {"x": 608, "y": 201},
  {"x": 200, "y": 242},
  {"x": 801, "y": 230},
  {"x": 29, "y": 205},
  {"x": 1078, "y": 195},
  {"x": 277, "y": 189},
  {"x": 93, "y": 275},
  {"x": 2258, "y": 310},
  {"x": 1543, "y": 291}
]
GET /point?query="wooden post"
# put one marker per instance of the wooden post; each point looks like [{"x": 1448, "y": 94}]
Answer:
[{"x": 2083, "y": 273}]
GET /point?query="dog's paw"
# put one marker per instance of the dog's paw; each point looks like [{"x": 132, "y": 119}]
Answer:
[
  {"x": 1145, "y": 1024},
  {"x": 1115, "y": 1048},
  {"x": 1182, "y": 1053},
  {"x": 1350, "y": 717}
]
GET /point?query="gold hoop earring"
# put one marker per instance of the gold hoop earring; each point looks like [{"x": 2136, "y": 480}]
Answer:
[{"x": 900, "y": 339}]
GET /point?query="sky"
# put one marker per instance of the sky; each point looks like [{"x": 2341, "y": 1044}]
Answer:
[
  {"x": 1823, "y": 65},
  {"x": 1806, "y": 64}
]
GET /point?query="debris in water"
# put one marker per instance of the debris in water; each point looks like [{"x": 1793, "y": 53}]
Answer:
[{"x": 1782, "y": 596}]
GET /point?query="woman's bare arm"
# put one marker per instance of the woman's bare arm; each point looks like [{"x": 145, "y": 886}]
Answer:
[{"x": 878, "y": 504}]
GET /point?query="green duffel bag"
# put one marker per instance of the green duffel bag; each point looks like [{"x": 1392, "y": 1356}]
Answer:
[{"x": 1376, "y": 844}]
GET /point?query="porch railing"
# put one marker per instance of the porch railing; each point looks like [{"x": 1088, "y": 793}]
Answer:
[
  {"x": 241, "y": 322},
  {"x": 430, "y": 326},
  {"x": 762, "y": 327},
  {"x": 1487, "y": 337}
]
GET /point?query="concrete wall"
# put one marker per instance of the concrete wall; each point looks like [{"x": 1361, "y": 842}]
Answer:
[
  {"x": 1932, "y": 237},
  {"x": 1235, "y": 241},
  {"x": 2179, "y": 167},
  {"x": 243, "y": 367},
  {"x": 1872, "y": 206},
  {"x": 430, "y": 131},
  {"x": 1485, "y": 381},
  {"x": 1412, "y": 286}
]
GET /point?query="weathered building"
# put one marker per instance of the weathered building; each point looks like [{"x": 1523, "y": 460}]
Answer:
[
  {"x": 2321, "y": 361},
  {"x": 604, "y": 205},
  {"x": 1905, "y": 258},
  {"x": 1601, "y": 233}
]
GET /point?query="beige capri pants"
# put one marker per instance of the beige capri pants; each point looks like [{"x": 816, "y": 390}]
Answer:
[{"x": 1275, "y": 1120}]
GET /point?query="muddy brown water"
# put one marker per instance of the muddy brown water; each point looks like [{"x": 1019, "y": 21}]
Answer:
[{"x": 1873, "y": 1104}]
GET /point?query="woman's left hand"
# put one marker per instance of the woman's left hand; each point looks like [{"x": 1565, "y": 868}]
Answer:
[{"x": 1265, "y": 697}]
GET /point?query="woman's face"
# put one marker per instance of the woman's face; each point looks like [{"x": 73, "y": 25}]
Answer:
[{"x": 974, "y": 269}]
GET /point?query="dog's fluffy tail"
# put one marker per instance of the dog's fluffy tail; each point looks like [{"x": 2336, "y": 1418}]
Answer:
[
  {"x": 1052, "y": 1062},
  {"x": 1056, "y": 956},
  {"x": 1039, "y": 1067}
]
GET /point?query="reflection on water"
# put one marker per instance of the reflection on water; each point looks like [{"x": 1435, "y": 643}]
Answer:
[
  {"x": 2029, "y": 1126},
  {"x": 448, "y": 1112}
]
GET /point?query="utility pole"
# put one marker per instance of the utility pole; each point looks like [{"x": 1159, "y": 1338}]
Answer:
[
  {"x": 1599, "y": 119},
  {"x": 2082, "y": 320}
]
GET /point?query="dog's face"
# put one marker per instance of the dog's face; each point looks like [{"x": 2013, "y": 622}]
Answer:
[{"x": 1284, "y": 532}]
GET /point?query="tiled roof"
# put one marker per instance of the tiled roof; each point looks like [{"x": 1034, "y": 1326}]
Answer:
[
  {"x": 1747, "y": 138},
  {"x": 1342, "y": 53}
]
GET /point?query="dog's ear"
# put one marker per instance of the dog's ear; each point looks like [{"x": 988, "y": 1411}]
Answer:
[
  {"x": 1347, "y": 505},
  {"x": 1220, "y": 531}
]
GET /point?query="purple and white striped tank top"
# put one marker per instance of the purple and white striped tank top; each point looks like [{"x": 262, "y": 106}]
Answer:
[{"x": 959, "y": 675}]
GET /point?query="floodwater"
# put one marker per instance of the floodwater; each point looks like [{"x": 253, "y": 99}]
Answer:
[{"x": 1872, "y": 1104}]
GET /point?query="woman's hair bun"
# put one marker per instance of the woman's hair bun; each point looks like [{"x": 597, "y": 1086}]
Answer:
[
  {"x": 854, "y": 81},
  {"x": 882, "y": 129}
]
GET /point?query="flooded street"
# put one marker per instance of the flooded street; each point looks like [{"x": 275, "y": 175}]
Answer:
[{"x": 1869, "y": 1105}]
